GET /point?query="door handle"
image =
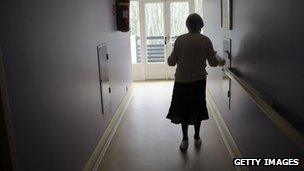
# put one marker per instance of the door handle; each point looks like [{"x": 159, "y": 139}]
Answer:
[{"x": 165, "y": 40}]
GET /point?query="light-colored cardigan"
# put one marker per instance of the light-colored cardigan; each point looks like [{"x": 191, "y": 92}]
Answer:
[{"x": 190, "y": 53}]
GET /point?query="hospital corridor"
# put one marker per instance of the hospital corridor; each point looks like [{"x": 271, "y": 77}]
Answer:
[{"x": 151, "y": 85}]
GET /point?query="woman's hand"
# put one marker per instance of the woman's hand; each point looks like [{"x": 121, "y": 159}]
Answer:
[{"x": 222, "y": 62}]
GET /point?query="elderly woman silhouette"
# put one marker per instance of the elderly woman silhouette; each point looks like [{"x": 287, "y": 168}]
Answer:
[{"x": 190, "y": 52}]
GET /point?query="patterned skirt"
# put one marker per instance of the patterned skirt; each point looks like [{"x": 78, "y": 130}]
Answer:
[{"x": 188, "y": 103}]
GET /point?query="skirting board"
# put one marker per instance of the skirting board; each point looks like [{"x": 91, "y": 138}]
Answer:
[
  {"x": 105, "y": 140},
  {"x": 225, "y": 133}
]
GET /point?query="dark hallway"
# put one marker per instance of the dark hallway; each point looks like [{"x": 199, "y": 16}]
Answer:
[
  {"x": 145, "y": 141},
  {"x": 85, "y": 85}
]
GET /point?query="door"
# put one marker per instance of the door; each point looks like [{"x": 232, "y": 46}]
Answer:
[
  {"x": 160, "y": 22},
  {"x": 164, "y": 21}
]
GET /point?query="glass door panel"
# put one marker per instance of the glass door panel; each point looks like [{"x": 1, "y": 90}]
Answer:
[
  {"x": 154, "y": 38},
  {"x": 135, "y": 32},
  {"x": 136, "y": 41},
  {"x": 154, "y": 22},
  {"x": 179, "y": 11}
]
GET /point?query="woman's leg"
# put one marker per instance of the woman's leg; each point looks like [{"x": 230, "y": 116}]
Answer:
[
  {"x": 197, "y": 127},
  {"x": 184, "y": 144},
  {"x": 185, "y": 131}
]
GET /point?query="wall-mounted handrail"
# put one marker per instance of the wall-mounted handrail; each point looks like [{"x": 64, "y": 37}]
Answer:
[{"x": 296, "y": 136}]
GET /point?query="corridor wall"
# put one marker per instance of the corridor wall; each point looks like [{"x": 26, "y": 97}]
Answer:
[
  {"x": 50, "y": 58},
  {"x": 267, "y": 39}
]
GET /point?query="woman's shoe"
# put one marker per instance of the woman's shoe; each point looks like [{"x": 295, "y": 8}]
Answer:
[
  {"x": 184, "y": 145},
  {"x": 197, "y": 143}
]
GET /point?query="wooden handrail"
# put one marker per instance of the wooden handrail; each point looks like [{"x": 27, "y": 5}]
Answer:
[{"x": 296, "y": 136}]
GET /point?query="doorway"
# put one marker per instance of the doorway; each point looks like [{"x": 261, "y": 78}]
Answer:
[{"x": 155, "y": 25}]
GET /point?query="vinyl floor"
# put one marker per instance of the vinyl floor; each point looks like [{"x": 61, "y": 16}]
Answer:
[{"x": 146, "y": 141}]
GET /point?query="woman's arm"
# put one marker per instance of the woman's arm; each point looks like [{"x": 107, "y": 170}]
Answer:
[
  {"x": 212, "y": 60},
  {"x": 172, "y": 59}
]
